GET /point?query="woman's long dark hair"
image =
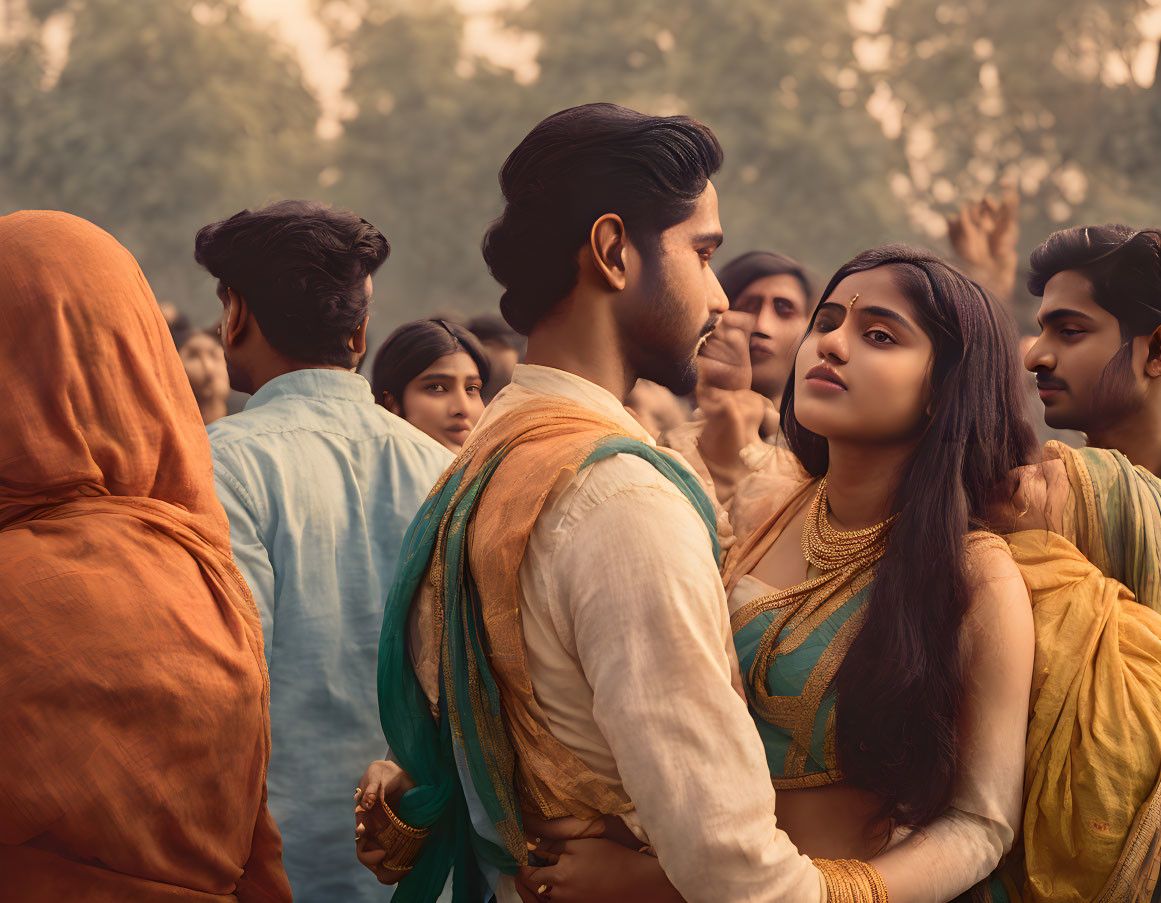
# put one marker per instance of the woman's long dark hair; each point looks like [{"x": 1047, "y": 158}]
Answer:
[
  {"x": 900, "y": 686},
  {"x": 414, "y": 347}
]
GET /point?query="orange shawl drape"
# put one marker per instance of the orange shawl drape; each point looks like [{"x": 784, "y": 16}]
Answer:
[{"x": 135, "y": 721}]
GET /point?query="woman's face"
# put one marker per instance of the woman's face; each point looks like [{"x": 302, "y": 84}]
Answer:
[
  {"x": 444, "y": 400},
  {"x": 862, "y": 373}
]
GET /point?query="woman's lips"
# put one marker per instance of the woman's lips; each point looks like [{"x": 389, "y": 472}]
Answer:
[{"x": 823, "y": 379}]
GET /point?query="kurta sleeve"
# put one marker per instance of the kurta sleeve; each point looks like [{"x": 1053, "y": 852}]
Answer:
[
  {"x": 250, "y": 552},
  {"x": 638, "y": 581}
]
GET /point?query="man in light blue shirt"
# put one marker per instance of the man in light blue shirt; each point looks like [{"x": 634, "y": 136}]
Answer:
[{"x": 319, "y": 484}]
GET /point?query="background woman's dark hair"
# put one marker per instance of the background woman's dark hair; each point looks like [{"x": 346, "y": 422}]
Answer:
[
  {"x": 900, "y": 686},
  {"x": 1123, "y": 265},
  {"x": 301, "y": 266},
  {"x": 755, "y": 265},
  {"x": 571, "y": 169},
  {"x": 414, "y": 347}
]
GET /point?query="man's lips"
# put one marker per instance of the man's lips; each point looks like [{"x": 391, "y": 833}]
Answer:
[
  {"x": 762, "y": 348},
  {"x": 1050, "y": 388},
  {"x": 824, "y": 377}
]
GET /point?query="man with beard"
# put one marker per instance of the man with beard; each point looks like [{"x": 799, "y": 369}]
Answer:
[
  {"x": 319, "y": 484},
  {"x": 558, "y": 607},
  {"x": 1098, "y": 359}
]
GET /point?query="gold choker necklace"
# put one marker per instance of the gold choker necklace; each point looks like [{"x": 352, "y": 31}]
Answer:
[{"x": 829, "y": 549}]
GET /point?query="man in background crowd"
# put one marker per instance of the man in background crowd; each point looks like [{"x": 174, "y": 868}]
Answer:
[
  {"x": 774, "y": 291},
  {"x": 319, "y": 484},
  {"x": 1098, "y": 358}
]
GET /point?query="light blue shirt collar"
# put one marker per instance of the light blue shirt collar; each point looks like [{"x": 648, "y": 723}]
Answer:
[{"x": 314, "y": 383}]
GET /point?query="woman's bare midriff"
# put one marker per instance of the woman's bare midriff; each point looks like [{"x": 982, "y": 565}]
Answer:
[{"x": 833, "y": 822}]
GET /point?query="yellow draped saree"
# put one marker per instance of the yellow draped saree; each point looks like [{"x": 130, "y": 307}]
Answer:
[{"x": 1092, "y": 805}]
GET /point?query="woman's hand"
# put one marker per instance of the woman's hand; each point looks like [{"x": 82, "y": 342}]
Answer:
[
  {"x": 595, "y": 869},
  {"x": 382, "y": 780}
]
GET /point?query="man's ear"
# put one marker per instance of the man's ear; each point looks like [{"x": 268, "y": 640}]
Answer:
[
  {"x": 1153, "y": 360},
  {"x": 237, "y": 318},
  {"x": 607, "y": 245},
  {"x": 358, "y": 340}
]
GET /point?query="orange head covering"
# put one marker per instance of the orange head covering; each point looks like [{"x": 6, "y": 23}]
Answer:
[
  {"x": 135, "y": 723},
  {"x": 98, "y": 404}
]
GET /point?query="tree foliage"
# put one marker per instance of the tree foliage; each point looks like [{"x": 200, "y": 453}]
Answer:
[
  {"x": 839, "y": 134},
  {"x": 157, "y": 125}
]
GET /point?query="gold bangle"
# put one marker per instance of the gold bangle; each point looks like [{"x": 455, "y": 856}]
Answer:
[
  {"x": 851, "y": 881},
  {"x": 399, "y": 840}
]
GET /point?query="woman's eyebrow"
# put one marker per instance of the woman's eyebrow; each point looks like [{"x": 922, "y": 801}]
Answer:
[{"x": 887, "y": 314}]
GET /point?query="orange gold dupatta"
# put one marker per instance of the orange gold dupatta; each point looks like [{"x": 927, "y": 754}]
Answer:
[
  {"x": 135, "y": 720},
  {"x": 548, "y": 438}
]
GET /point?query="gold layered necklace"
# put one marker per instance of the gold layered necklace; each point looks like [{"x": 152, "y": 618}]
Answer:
[
  {"x": 841, "y": 557},
  {"x": 832, "y": 550}
]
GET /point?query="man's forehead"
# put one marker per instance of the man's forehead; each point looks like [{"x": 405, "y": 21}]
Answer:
[{"x": 1068, "y": 288}]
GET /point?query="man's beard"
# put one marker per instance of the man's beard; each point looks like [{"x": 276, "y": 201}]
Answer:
[{"x": 654, "y": 345}]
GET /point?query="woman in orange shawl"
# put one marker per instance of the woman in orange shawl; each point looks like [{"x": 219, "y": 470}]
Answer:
[{"x": 135, "y": 720}]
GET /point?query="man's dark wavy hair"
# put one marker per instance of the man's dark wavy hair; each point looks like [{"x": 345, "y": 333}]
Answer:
[
  {"x": 575, "y": 167},
  {"x": 1122, "y": 264},
  {"x": 900, "y": 686},
  {"x": 301, "y": 266}
]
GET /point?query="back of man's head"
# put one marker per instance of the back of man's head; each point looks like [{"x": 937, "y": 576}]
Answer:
[
  {"x": 571, "y": 169},
  {"x": 302, "y": 268},
  {"x": 1123, "y": 266}
]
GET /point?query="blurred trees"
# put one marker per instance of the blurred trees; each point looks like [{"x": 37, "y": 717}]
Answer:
[
  {"x": 1039, "y": 94},
  {"x": 844, "y": 126},
  {"x": 158, "y": 123},
  {"x": 421, "y": 156}
]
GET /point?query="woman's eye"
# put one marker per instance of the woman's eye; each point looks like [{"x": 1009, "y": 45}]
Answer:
[
  {"x": 475, "y": 389},
  {"x": 1070, "y": 333},
  {"x": 823, "y": 326},
  {"x": 880, "y": 337},
  {"x": 435, "y": 388}
]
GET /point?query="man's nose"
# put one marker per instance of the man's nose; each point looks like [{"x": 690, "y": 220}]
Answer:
[
  {"x": 766, "y": 322},
  {"x": 718, "y": 303},
  {"x": 1039, "y": 356}
]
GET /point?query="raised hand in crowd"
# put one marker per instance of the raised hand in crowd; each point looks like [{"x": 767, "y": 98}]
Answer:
[
  {"x": 733, "y": 412},
  {"x": 983, "y": 234}
]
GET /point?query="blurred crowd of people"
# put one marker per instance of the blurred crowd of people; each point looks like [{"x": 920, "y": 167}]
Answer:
[{"x": 664, "y": 548}]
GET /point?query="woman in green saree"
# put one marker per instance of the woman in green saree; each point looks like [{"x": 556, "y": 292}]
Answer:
[{"x": 887, "y": 645}]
